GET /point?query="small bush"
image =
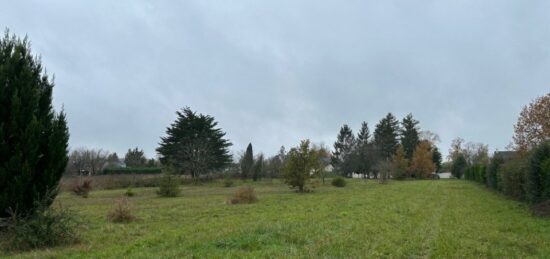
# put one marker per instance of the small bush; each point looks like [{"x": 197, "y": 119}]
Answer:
[
  {"x": 243, "y": 195},
  {"x": 168, "y": 186},
  {"x": 542, "y": 209},
  {"x": 121, "y": 212},
  {"x": 228, "y": 183},
  {"x": 130, "y": 193},
  {"x": 46, "y": 227},
  {"x": 338, "y": 182},
  {"x": 83, "y": 189}
]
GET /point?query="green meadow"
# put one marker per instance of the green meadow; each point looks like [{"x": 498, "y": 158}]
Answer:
[{"x": 412, "y": 219}]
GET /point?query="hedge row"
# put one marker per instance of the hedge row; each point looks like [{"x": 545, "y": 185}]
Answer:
[
  {"x": 476, "y": 173},
  {"x": 130, "y": 170},
  {"x": 525, "y": 178}
]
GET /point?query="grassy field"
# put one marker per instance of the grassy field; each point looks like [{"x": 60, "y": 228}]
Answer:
[{"x": 445, "y": 218}]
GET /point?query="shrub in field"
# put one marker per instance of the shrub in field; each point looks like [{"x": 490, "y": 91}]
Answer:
[
  {"x": 121, "y": 212},
  {"x": 513, "y": 177},
  {"x": 338, "y": 182},
  {"x": 542, "y": 209},
  {"x": 228, "y": 182},
  {"x": 33, "y": 137},
  {"x": 46, "y": 227},
  {"x": 538, "y": 176},
  {"x": 169, "y": 186},
  {"x": 299, "y": 164},
  {"x": 130, "y": 193},
  {"x": 83, "y": 189},
  {"x": 243, "y": 195}
]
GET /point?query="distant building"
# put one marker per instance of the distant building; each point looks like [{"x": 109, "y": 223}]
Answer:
[{"x": 505, "y": 155}]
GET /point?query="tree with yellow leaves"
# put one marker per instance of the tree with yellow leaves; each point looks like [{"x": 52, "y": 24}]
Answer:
[
  {"x": 533, "y": 125},
  {"x": 422, "y": 164}
]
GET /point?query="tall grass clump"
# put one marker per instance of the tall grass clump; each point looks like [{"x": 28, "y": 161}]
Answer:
[
  {"x": 243, "y": 195},
  {"x": 121, "y": 212},
  {"x": 46, "y": 227}
]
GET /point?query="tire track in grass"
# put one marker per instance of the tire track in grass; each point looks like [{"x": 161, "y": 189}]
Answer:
[{"x": 435, "y": 220}]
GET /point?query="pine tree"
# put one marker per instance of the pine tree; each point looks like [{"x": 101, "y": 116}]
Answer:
[
  {"x": 343, "y": 147},
  {"x": 247, "y": 162},
  {"x": 437, "y": 159},
  {"x": 135, "y": 158},
  {"x": 33, "y": 138},
  {"x": 409, "y": 135},
  {"x": 385, "y": 136},
  {"x": 194, "y": 145},
  {"x": 364, "y": 154}
]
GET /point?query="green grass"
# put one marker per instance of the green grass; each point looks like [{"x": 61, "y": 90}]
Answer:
[{"x": 445, "y": 218}]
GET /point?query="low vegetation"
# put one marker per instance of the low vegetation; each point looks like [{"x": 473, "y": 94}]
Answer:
[
  {"x": 438, "y": 219},
  {"x": 47, "y": 227},
  {"x": 243, "y": 195},
  {"x": 83, "y": 188},
  {"x": 121, "y": 212},
  {"x": 169, "y": 186},
  {"x": 338, "y": 182}
]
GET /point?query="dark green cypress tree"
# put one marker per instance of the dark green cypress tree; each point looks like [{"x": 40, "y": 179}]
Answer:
[
  {"x": 33, "y": 138},
  {"x": 492, "y": 171},
  {"x": 385, "y": 136},
  {"x": 194, "y": 145},
  {"x": 343, "y": 147},
  {"x": 247, "y": 162},
  {"x": 437, "y": 158},
  {"x": 409, "y": 135},
  {"x": 538, "y": 176},
  {"x": 258, "y": 168},
  {"x": 459, "y": 166},
  {"x": 364, "y": 154}
]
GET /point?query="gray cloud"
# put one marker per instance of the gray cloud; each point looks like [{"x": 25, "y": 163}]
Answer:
[{"x": 276, "y": 72}]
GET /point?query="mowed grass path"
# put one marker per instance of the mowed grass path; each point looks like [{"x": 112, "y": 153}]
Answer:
[{"x": 427, "y": 219}]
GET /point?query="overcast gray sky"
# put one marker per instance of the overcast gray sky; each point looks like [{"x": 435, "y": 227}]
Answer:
[{"x": 275, "y": 72}]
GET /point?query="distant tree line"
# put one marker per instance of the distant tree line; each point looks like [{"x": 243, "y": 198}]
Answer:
[
  {"x": 90, "y": 161},
  {"x": 397, "y": 147}
]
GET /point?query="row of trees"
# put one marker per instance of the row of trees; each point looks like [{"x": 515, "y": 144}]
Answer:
[
  {"x": 522, "y": 173},
  {"x": 410, "y": 152},
  {"x": 88, "y": 161}
]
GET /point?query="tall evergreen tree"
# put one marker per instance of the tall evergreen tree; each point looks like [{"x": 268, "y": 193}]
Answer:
[
  {"x": 364, "y": 154},
  {"x": 409, "y": 135},
  {"x": 194, "y": 145},
  {"x": 135, "y": 158},
  {"x": 459, "y": 165},
  {"x": 437, "y": 159},
  {"x": 343, "y": 147},
  {"x": 385, "y": 136},
  {"x": 258, "y": 169},
  {"x": 33, "y": 138},
  {"x": 247, "y": 162}
]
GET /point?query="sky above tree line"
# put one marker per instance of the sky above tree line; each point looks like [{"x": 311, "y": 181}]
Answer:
[{"x": 275, "y": 72}]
